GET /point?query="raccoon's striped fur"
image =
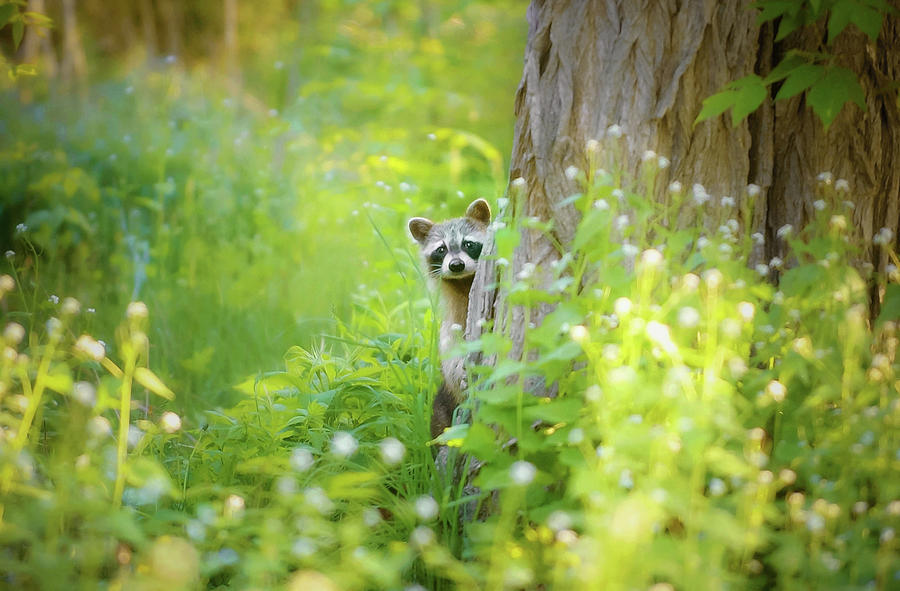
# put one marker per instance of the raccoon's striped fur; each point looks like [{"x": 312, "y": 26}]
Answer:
[{"x": 451, "y": 250}]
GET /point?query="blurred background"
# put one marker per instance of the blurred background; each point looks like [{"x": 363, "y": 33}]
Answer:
[{"x": 245, "y": 168}]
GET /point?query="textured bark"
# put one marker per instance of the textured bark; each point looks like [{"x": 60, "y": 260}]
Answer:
[{"x": 647, "y": 65}]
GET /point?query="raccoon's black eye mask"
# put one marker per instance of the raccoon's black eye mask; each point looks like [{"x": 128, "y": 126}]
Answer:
[
  {"x": 437, "y": 255},
  {"x": 472, "y": 248}
]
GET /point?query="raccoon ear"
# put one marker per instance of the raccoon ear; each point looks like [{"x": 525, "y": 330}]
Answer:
[
  {"x": 419, "y": 228},
  {"x": 480, "y": 211}
]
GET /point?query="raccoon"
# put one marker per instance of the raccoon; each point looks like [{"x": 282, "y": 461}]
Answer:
[{"x": 450, "y": 251}]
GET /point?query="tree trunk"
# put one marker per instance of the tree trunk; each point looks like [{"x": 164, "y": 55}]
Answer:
[
  {"x": 647, "y": 65},
  {"x": 36, "y": 46},
  {"x": 73, "y": 65},
  {"x": 171, "y": 13},
  {"x": 230, "y": 38},
  {"x": 148, "y": 27}
]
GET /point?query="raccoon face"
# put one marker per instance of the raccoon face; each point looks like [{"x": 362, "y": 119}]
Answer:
[{"x": 451, "y": 249}]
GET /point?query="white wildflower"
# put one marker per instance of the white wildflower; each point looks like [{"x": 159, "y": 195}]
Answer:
[
  {"x": 675, "y": 187},
  {"x": 170, "y": 422},
  {"x": 700, "y": 194},
  {"x": 884, "y": 237},
  {"x": 690, "y": 281},
  {"x": 825, "y": 177},
  {"x": 14, "y": 333},
  {"x": 522, "y": 472},
  {"x": 688, "y": 317},
  {"x": 713, "y": 278},
  {"x": 301, "y": 459},
  {"x": 717, "y": 487},
  {"x": 343, "y": 444},
  {"x": 615, "y": 131},
  {"x": 572, "y": 172},
  {"x": 392, "y": 450},
  {"x": 660, "y": 335},
  {"x": 136, "y": 310},
  {"x": 579, "y": 333},
  {"x": 776, "y": 390},
  {"x": 727, "y": 201},
  {"x": 662, "y": 162},
  {"x": 630, "y": 250},
  {"x": 622, "y": 306},
  {"x": 234, "y": 505},
  {"x": 819, "y": 204},
  {"x": 842, "y": 185},
  {"x": 85, "y": 393},
  {"x": 426, "y": 508},
  {"x": 784, "y": 231},
  {"x": 651, "y": 257},
  {"x": 753, "y": 189}
]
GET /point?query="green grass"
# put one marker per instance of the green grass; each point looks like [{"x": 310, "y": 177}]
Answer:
[{"x": 711, "y": 429}]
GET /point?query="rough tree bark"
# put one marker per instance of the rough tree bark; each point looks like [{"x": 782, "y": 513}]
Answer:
[{"x": 647, "y": 65}]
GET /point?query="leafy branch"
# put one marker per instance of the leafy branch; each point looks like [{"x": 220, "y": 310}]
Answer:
[
  {"x": 828, "y": 87},
  {"x": 12, "y": 15}
]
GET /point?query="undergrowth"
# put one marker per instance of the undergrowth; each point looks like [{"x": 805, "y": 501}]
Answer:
[{"x": 710, "y": 429}]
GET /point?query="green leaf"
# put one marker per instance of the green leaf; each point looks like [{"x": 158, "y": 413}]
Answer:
[
  {"x": 563, "y": 410},
  {"x": 863, "y": 15},
  {"x": 828, "y": 95},
  {"x": 773, "y": 9},
  {"x": 868, "y": 20},
  {"x": 151, "y": 381},
  {"x": 790, "y": 23},
  {"x": 787, "y": 65},
  {"x": 799, "y": 80},
  {"x": 839, "y": 19},
  {"x": 7, "y": 11},
  {"x": 715, "y": 105},
  {"x": 453, "y": 436},
  {"x": 480, "y": 440},
  {"x": 751, "y": 92}
]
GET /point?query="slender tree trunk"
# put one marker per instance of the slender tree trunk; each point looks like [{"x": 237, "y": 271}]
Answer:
[
  {"x": 74, "y": 63},
  {"x": 171, "y": 13},
  {"x": 230, "y": 38},
  {"x": 148, "y": 27},
  {"x": 36, "y": 46},
  {"x": 647, "y": 65}
]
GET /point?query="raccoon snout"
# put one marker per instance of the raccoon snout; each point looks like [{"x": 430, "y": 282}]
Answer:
[{"x": 456, "y": 265}]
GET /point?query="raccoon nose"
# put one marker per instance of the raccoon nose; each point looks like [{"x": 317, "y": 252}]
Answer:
[{"x": 456, "y": 265}]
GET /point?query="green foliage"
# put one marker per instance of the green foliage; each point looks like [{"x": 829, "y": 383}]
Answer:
[
  {"x": 828, "y": 87},
  {"x": 17, "y": 20},
  {"x": 709, "y": 428}
]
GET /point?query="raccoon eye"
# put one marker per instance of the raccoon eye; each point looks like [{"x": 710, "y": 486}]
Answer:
[
  {"x": 472, "y": 248},
  {"x": 438, "y": 253}
]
